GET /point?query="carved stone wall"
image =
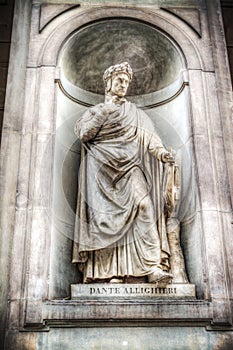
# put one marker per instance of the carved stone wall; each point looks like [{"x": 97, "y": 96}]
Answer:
[
  {"x": 6, "y": 15},
  {"x": 40, "y": 314}
]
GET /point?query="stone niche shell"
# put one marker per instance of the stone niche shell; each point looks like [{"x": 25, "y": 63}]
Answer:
[{"x": 155, "y": 61}]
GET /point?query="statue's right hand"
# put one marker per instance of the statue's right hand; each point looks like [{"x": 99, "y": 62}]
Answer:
[
  {"x": 109, "y": 108},
  {"x": 103, "y": 110}
]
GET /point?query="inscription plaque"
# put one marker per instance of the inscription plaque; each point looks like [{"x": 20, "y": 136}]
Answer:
[{"x": 126, "y": 291}]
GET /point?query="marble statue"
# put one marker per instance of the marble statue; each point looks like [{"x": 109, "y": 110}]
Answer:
[{"x": 125, "y": 194}]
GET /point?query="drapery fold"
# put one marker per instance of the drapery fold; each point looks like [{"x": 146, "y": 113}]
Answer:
[{"x": 120, "y": 170}]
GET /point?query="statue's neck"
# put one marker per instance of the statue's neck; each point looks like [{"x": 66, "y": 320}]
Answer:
[{"x": 114, "y": 99}]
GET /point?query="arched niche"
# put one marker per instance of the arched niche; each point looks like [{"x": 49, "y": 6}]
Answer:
[{"x": 159, "y": 86}]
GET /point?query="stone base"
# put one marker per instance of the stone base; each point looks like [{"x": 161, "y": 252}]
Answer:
[{"x": 132, "y": 291}]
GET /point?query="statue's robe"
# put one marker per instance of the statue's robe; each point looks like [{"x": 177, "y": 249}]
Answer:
[{"x": 120, "y": 169}]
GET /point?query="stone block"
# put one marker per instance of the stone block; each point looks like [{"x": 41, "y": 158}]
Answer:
[
  {"x": 17, "y": 260},
  {"x": 143, "y": 310},
  {"x": 49, "y": 12},
  {"x": 148, "y": 291},
  {"x": 40, "y": 182},
  {"x": 23, "y": 199},
  {"x": 214, "y": 258},
  {"x": 38, "y": 261},
  {"x": 30, "y": 114},
  {"x": 122, "y": 337},
  {"x": 16, "y": 73},
  {"x": 198, "y": 116},
  {"x": 191, "y": 242},
  {"x": 204, "y": 167},
  {"x": 22, "y": 341},
  {"x": 190, "y": 16},
  {"x": 128, "y": 2},
  {"x": 45, "y": 117}
]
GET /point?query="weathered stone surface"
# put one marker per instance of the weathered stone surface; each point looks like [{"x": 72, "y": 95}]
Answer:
[
  {"x": 123, "y": 2},
  {"x": 190, "y": 15},
  {"x": 8, "y": 174},
  {"x": 147, "y": 50},
  {"x": 48, "y": 12},
  {"x": 136, "y": 338},
  {"x": 45, "y": 112},
  {"x": 34, "y": 257},
  {"x": 122, "y": 337},
  {"x": 137, "y": 310},
  {"x": 159, "y": 18}
]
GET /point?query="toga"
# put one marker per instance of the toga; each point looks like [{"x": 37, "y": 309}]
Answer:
[{"x": 120, "y": 222}]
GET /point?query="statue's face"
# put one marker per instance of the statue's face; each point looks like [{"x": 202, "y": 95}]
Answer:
[{"x": 120, "y": 83}]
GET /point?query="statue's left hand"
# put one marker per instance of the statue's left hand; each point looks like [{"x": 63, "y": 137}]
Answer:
[{"x": 168, "y": 157}]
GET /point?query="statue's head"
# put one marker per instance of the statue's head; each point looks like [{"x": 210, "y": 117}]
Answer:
[{"x": 117, "y": 78}]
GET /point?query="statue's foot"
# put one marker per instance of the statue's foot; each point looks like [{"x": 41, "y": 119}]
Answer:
[
  {"x": 160, "y": 278},
  {"x": 116, "y": 280}
]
